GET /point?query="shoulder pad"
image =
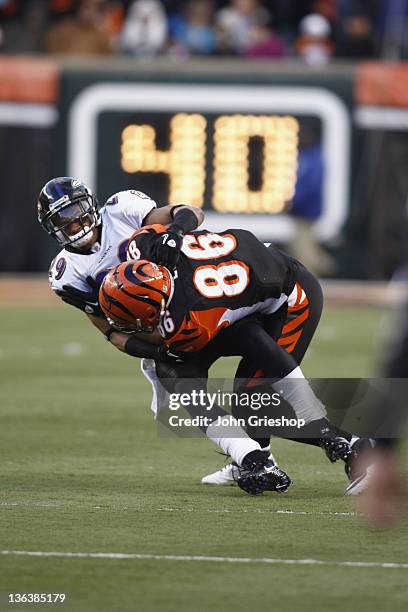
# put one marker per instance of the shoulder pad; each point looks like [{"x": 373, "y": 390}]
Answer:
[{"x": 123, "y": 196}]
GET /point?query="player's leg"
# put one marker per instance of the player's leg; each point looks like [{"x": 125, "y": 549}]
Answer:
[
  {"x": 256, "y": 472},
  {"x": 303, "y": 315},
  {"x": 277, "y": 351},
  {"x": 293, "y": 330}
]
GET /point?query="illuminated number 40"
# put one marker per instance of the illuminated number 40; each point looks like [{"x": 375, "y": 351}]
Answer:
[{"x": 185, "y": 160}]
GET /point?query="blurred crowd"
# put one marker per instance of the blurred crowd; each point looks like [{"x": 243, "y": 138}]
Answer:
[{"x": 314, "y": 30}]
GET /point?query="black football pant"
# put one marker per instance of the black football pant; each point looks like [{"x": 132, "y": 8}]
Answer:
[
  {"x": 292, "y": 327},
  {"x": 272, "y": 346},
  {"x": 258, "y": 340}
]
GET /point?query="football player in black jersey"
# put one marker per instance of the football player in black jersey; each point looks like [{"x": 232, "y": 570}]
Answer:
[{"x": 221, "y": 279}]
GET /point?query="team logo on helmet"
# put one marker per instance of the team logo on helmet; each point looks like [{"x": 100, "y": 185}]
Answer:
[{"x": 134, "y": 295}]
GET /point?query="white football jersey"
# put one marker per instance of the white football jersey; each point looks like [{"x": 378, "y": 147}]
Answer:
[{"x": 123, "y": 214}]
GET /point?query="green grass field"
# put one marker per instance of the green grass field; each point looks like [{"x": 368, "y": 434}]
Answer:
[{"x": 84, "y": 470}]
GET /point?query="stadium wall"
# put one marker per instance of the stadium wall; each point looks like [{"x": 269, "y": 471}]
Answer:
[{"x": 67, "y": 116}]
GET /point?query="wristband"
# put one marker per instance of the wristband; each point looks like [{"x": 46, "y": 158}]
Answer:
[
  {"x": 109, "y": 332},
  {"x": 142, "y": 349}
]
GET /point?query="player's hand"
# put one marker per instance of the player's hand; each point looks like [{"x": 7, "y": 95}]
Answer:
[
  {"x": 166, "y": 356},
  {"x": 177, "y": 370},
  {"x": 166, "y": 249},
  {"x": 87, "y": 301}
]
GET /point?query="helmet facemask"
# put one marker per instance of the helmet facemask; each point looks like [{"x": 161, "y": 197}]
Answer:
[{"x": 65, "y": 213}]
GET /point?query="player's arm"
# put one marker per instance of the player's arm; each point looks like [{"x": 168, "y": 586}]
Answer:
[
  {"x": 136, "y": 345},
  {"x": 147, "y": 346},
  {"x": 167, "y": 214},
  {"x": 180, "y": 220},
  {"x": 140, "y": 345}
]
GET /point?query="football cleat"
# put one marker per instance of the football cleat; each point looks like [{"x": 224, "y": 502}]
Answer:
[
  {"x": 361, "y": 483},
  {"x": 229, "y": 474},
  {"x": 359, "y": 466},
  {"x": 336, "y": 448},
  {"x": 225, "y": 477},
  {"x": 266, "y": 477}
]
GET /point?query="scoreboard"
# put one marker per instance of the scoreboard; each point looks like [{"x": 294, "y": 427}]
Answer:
[
  {"x": 232, "y": 150},
  {"x": 242, "y": 146}
]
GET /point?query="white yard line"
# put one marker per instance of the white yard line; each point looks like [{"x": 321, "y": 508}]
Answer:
[
  {"x": 169, "y": 509},
  {"x": 144, "y": 557}
]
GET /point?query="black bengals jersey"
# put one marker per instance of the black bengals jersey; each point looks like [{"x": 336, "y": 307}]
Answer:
[{"x": 220, "y": 279}]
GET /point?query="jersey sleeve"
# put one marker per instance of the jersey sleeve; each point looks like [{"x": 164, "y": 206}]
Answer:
[
  {"x": 132, "y": 206},
  {"x": 63, "y": 272}
]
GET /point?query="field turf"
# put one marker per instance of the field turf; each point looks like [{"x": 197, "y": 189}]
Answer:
[{"x": 83, "y": 470}]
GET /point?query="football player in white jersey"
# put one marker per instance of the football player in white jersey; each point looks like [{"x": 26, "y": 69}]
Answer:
[{"x": 94, "y": 240}]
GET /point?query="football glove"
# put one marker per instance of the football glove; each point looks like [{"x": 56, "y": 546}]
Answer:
[
  {"x": 166, "y": 248},
  {"x": 87, "y": 301},
  {"x": 175, "y": 369}
]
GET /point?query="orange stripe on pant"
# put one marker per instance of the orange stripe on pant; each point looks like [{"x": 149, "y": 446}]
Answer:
[
  {"x": 295, "y": 322},
  {"x": 288, "y": 342}
]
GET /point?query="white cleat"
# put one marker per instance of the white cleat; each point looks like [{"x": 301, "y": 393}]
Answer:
[
  {"x": 361, "y": 483},
  {"x": 360, "y": 466},
  {"x": 223, "y": 478},
  {"x": 228, "y": 475}
]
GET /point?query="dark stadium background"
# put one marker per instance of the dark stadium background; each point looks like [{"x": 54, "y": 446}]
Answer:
[
  {"x": 85, "y": 478},
  {"x": 364, "y": 67}
]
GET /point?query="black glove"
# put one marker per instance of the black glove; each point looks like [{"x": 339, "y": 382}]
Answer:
[
  {"x": 178, "y": 370},
  {"x": 166, "y": 248},
  {"x": 167, "y": 356},
  {"x": 87, "y": 301}
]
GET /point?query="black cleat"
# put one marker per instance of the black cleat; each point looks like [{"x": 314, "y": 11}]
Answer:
[
  {"x": 264, "y": 477},
  {"x": 336, "y": 448}
]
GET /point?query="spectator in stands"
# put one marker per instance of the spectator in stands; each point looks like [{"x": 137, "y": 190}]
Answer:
[
  {"x": 82, "y": 33},
  {"x": 10, "y": 8},
  {"x": 208, "y": 27},
  {"x": 61, "y": 7},
  {"x": 24, "y": 35},
  {"x": 264, "y": 43},
  {"x": 234, "y": 23},
  {"x": 145, "y": 29},
  {"x": 356, "y": 37},
  {"x": 314, "y": 45},
  {"x": 192, "y": 31},
  {"x": 327, "y": 8}
]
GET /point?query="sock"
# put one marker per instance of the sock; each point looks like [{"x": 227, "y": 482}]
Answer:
[
  {"x": 322, "y": 428},
  {"x": 296, "y": 390},
  {"x": 252, "y": 459},
  {"x": 315, "y": 430},
  {"x": 264, "y": 443},
  {"x": 232, "y": 439}
]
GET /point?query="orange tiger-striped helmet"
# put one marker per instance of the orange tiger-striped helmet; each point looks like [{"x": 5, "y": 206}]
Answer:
[{"x": 134, "y": 294}]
